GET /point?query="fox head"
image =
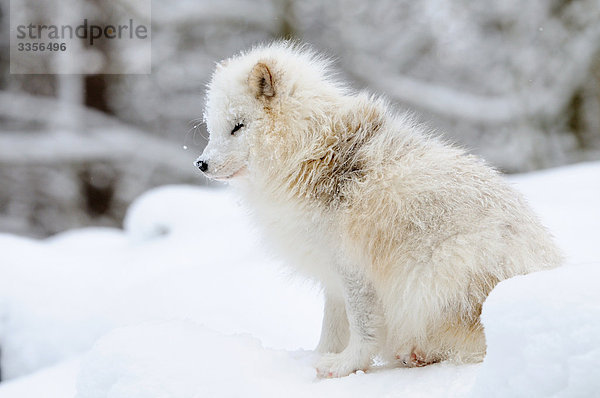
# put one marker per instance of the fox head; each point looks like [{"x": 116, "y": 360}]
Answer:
[{"x": 261, "y": 109}]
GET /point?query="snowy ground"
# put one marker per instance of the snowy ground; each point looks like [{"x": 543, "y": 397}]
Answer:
[{"x": 184, "y": 302}]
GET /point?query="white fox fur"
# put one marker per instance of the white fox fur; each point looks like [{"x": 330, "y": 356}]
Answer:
[{"x": 406, "y": 234}]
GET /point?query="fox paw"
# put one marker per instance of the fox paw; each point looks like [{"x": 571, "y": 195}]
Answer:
[
  {"x": 340, "y": 365},
  {"x": 416, "y": 359}
]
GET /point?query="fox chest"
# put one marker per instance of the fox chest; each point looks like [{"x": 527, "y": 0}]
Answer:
[{"x": 303, "y": 238}]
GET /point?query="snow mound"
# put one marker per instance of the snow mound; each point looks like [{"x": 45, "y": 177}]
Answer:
[
  {"x": 179, "y": 209},
  {"x": 180, "y": 359},
  {"x": 543, "y": 335}
]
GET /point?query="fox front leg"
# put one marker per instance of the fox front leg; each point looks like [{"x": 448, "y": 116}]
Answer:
[
  {"x": 365, "y": 320},
  {"x": 335, "y": 330}
]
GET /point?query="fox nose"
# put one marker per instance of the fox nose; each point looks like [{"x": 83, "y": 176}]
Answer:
[{"x": 202, "y": 165}]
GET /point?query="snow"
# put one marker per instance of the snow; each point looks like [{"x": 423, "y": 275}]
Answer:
[
  {"x": 210, "y": 364},
  {"x": 543, "y": 334},
  {"x": 53, "y": 381},
  {"x": 186, "y": 302}
]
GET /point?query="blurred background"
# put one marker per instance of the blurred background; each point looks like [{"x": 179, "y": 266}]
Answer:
[{"x": 517, "y": 82}]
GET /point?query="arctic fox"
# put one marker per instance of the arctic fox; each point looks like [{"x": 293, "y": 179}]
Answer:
[{"x": 406, "y": 234}]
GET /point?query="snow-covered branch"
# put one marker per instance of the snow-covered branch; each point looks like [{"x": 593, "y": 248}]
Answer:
[
  {"x": 100, "y": 138},
  {"x": 258, "y": 15},
  {"x": 534, "y": 103}
]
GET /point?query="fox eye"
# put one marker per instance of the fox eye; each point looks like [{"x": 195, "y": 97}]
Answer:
[{"x": 236, "y": 128}]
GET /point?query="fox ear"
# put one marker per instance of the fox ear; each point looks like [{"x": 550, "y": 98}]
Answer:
[{"x": 261, "y": 81}]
